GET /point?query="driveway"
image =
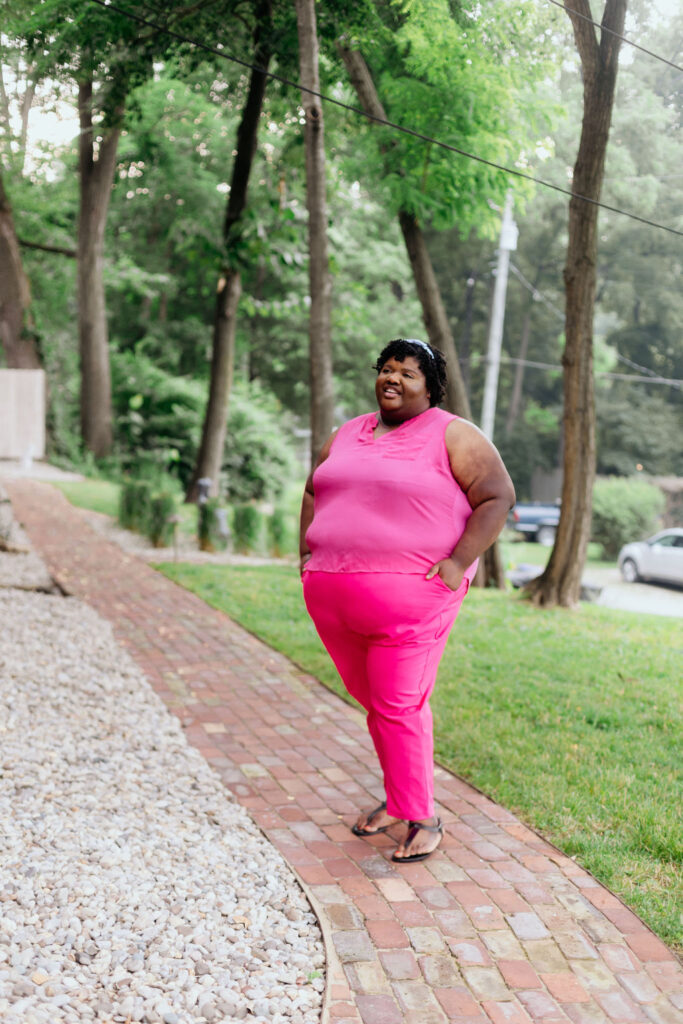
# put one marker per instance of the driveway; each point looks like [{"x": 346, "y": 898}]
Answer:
[
  {"x": 606, "y": 587},
  {"x": 634, "y": 597}
]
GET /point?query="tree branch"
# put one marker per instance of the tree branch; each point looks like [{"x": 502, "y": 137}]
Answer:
[
  {"x": 4, "y": 106},
  {"x": 48, "y": 248},
  {"x": 584, "y": 33},
  {"x": 361, "y": 80},
  {"x": 613, "y": 18}
]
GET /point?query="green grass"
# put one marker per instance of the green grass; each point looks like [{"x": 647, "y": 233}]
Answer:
[
  {"x": 103, "y": 496},
  {"x": 96, "y": 495},
  {"x": 516, "y": 552},
  {"x": 572, "y": 720}
]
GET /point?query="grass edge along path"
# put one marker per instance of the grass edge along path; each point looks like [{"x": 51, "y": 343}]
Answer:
[{"x": 572, "y": 720}]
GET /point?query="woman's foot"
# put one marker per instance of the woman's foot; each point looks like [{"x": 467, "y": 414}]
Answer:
[
  {"x": 370, "y": 823},
  {"x": 422, "y": 839}
]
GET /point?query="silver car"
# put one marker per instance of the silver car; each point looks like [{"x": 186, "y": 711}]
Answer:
[{"x": 660, "y": 558}]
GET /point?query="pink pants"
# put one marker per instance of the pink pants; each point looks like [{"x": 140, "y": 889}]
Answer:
[{"x": 386, "y": 632}]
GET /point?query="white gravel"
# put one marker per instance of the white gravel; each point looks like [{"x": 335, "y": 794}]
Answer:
[{"x": 132, "y": 886}]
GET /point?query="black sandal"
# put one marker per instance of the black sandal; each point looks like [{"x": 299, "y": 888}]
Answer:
[
  {"x": 413, "y": 828},
  {"x": 365, "y": 832}
]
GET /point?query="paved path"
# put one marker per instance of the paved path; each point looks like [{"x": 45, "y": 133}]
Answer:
[{"x": 498, "y": 927}]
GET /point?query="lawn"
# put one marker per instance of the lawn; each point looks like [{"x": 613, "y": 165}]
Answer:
[
  {"x": 96, "y": 495},
  {"x": 103, "y": 496},
  {"x": 572, "y": 720}
]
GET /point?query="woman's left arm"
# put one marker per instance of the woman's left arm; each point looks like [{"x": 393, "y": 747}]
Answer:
[{"x": 479, "y": 470}]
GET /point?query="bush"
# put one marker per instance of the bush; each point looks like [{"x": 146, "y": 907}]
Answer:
[
  {"x": 158, "y": 417},
  {"x": 158, "y": 427},
  {"x": 160, "y": 524},
  {"x": 258, "y": 458},
  {"x": 624, "y": 509},
  {"x": 277, "y": 532},
  {"x": 134, "y": 505},
  {"x": 208, "y": 526},
  {"x": 246, "y": 528}
]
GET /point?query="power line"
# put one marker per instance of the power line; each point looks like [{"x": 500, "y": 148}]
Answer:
[
  {"x": 538, "y": 296},
  {"x": 107, "y": 5},
  {"x": 636, "y": 366},
  {"x": 624, "y": 39},
  {"x": 635, "y": 378}
]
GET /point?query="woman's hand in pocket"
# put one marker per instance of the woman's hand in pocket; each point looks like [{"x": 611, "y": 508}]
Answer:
[{"x": 449, "y": 571}]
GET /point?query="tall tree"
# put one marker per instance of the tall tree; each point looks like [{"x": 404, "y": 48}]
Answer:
[
  {"x": 17, "y": 336},
  {"x": 433, "y": 311},
  {"x": 320, "y": 338},
  {"x": 95, "y": 50},
  {"x": 560, "y": 583},
  {"x": 229, "y": 287},
  {"x": 106, "y": 54},
  {"x": 96, "y": 166}
]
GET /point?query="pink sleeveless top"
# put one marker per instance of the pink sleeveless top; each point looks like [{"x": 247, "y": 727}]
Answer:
[{"x": 387, "y": 504}]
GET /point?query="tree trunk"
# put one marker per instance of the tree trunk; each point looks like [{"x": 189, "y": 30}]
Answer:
[
  {"x": 466, "y": 342},
  {"x": 439, "y": 332},
  {"x": 320, "y": 282},
  {"x": 560, "y": 583},
  {"x": 433, "y": 310},
  {"x": 210, "y": 456},
  {"x": 16, "y": 328},
  {"x": 96, "y": 180}
]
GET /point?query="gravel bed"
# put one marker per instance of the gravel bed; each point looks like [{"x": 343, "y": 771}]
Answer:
[
  {"x": 132, "y": 886},
  {"x": 19, "y": 566}
]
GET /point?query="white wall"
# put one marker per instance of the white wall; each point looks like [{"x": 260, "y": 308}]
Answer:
[{"x": 22, "y": 414}]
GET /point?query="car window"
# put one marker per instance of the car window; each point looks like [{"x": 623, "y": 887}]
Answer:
[
  {"x": 678, "y": 542},
  {"x": 665, "y": 542}
]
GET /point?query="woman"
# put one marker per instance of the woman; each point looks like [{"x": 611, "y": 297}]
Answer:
[{"x": 394, "y": 517}]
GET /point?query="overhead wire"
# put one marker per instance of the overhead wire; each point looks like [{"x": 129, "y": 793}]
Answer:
[
  {"x": 606, "y": 374},
  {"x": 108, "y": 5},
  {"x": 624, "y": 39},
  {"x": 538, "y": 296},
  {"x": 651, "y": 376}
]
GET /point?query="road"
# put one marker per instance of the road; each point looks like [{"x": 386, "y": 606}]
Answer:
[
  {"x": 608, "y": 589},
  {"x": 634, "y": 597}
]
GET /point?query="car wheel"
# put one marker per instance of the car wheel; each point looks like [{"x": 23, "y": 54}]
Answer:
[
  {"x": 629, "y": 570},
  {"x": 546, "y": 536}
]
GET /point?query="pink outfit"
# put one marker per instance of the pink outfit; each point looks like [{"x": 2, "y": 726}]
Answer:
[
  {"x": 385, "y": 634},
  {"x": 386, "y": 510},
  {"x": 388, "y": 504}
]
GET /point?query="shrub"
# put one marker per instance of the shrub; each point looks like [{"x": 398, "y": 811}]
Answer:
[
  {"x": 158, "y": 417},
  {"x": 258, "y": 458},
  {"x": 208, "y": 526},
  {"x": 246, "y": 528},
  {"x": 624, "y": 509},
  {"x": 277, "y": 532},
  {"x": 158, "y": 427},
  {"x": 160, "y": 524},
  {"x": 134, "y": 505}
]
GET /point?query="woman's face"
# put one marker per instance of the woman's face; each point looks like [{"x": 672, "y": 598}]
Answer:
[{"x": 401, "y": 390}]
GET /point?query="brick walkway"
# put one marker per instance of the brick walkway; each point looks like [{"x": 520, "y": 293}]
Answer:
[{"x": 496, "y": 927}]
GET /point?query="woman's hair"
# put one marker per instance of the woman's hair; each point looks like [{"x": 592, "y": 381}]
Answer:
[{"x": 430, "y": 361}]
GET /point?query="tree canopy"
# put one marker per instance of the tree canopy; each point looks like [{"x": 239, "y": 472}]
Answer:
[{"x": 500, "y": 82}]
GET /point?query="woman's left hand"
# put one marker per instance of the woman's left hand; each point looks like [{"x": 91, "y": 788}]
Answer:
[{"x": 450, "y": 572}]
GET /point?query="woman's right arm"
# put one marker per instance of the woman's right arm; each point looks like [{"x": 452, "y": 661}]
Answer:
[{"x": 307, "y": 504}]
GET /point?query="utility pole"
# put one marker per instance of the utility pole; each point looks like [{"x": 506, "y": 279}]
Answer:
[{"x": 508, "y": 244}]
